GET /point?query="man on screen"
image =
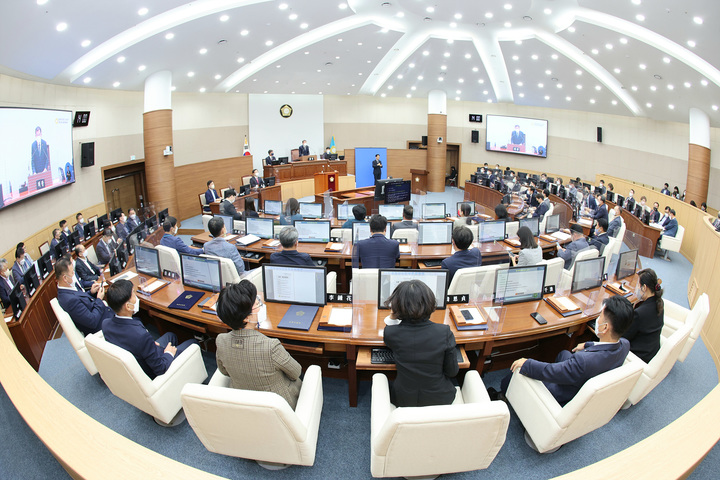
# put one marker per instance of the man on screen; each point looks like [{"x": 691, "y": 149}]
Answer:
[
  {"x": 377, "y": 167},
  {"x": 517, "y": 137},
  {"x": 40, "y": 153}
]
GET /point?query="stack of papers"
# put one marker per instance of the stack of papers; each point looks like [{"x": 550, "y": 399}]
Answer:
[
  {"x": 248, "y": 239},
  {"x": 153, "y": 286},
  {"x": 561, "y": 236},
  {"x": 341, "y": 317}
]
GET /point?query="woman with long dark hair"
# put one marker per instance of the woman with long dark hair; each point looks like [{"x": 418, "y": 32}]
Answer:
[{"x": 648, "y": 318}]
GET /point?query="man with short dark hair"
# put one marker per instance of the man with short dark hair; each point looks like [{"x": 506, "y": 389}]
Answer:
[
  {"x": 87, "y": 312},
  {"x": 220, "y": 247},
  {"x": 544, "y": 204},
  {"x": 571, "y": 250},
  {"x": 359, "y": 212},
  {"x": 227, "y": 206},
  {"x": 6, "y": 283},
  {"x": 122, "y": 229},
  {"x": 105, "y": 248},
  {"x": 85, "y": 270},
  {"x": 256, "y": 181},
  {"x": 270, "y": 159},
  {"x": 80, "y": 227},
  {"x": 211, "y": 194},
  {"x": 671, "y": 226},
  {"x": 600, "y": 239},
  {"x": 601, "y": 211},
  {"x": 56, "y": 240},
  {"x": 377, "y": 167},
  {"x": 464, "y": 257},
  {"x": 666, "y": 189},
  {"x": 133, "y": 221},
  {"x": 171, "y": 240},
  {"x": 407, "y": 221},
  {"x": 289, "y": 254},
  {"x": 121, "y": 329},
  {"x": 377, "y": 251},
  {"x": 64, "y": 229},
  {"x": 616, "y": 223}
]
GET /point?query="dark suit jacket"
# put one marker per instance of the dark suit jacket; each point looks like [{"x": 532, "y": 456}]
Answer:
[
  {"x": 601, "y": 212},
  {"x": 614, "y": 226},
  {"x": 644, "y": 332},
  {"x": 87, "y": 275},
  {"x": 5, "y": 290},
  {"x": 378, "y": 252},
  {"x": 130, "y": 334},
  {"x": 571, "y": 250},
  {"x": 600, "y": 242},
  {"x": 303, "y": 150},
  {"x": 40, "y": 157},
  {"x": 132, "y": 224},
  {"x": 177, "y": 243},
  {"x": 377, "y": 168},
  {"x": 462, "y": 259},
  {"x": 86, "y": 311},
  {"x": 104, "y": 252},
  {"x": 270, "y": 160},
  {"x": 249, "y": 214},
  {"x": 255, "y": 182},
  {"x": 592, "y": 204},
  {"x": 17, "y": 273},
  {"x": 517, "y": 138},
  {"x": 292, "y": 257},
  {"x": 401, "y": 225},
  {"x": 349, "y": 222},
  {"x": 542, "y": 209},
  {"x": 425, "y": 359},
  {"x": 654, "y": 216},
  {"x": 671, "y": 228},
  {"x": 122, "y": 230},
  {"x": 209, "y": 196},
  {"x": 568, "y": 374},
  {"x": 228, "y": 208}
]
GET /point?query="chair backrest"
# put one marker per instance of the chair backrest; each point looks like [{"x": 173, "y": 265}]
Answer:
[
  {"x": 44, "y": 248},
  {"x": 222, "y": 192},
  {"x": 74, "y": 336},
  {"x": 475, "y": 229},
  {"x": 511, "y": 228},
  {"x": 665, "y": 358},
  {"x": 554, "y": 270},
  {"x": 256, "y": 277},
  {"x": 91, "y": 255},
  {"x": 203, "y": 200},
  {"x": 621, "y": 233},
  {"x": 294, "y": 154},
  {"x": 611, "y": 215},
  {"x": 584, "y": 255},
  {"x": 246, "y": 179},
  {"x": 697, "y": 316},
  {"x": 410, "y": 234},
  {"x": 365, "y": 284},
  {"x": 169, "y": 259},
  {"x": 609, "y": 250},
  {"x": 475, "y": 281},
  {"x": 345, "y": 234},
  {"x": 680, "y": 233},
  {"x": 228, "y": 271},
  {"x": 206, "y": 219}
]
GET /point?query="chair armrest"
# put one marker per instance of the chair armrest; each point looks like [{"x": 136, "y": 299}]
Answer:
[
  {"x": 531, "y": 399},
  {"x": 673, "y": 311},
  {"x": 311, "y": 394},
  {"x": 381, "y": 408},
  {"x": 670, "y": 326},
  {"x": 191, "y": 366},
  {"x": 219, "y": 380},
  {"x": 473, "y": 389}
]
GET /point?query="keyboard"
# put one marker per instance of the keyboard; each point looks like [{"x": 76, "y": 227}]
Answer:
[{"x": 385, "y": 355}]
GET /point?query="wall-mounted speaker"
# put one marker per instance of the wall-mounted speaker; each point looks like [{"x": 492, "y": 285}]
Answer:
[
  {"x": 87, "y": 154},
  {"x": 475, "y": 136},
  {"x": 424, "y": 140},
  {"x": 599, "y": 134}
]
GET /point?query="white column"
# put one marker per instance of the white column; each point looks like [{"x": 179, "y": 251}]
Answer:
[
  {"x": 699, "y": 128},
  {"x": 437, "y": 102},
  {"x": 157, "y": 91}
]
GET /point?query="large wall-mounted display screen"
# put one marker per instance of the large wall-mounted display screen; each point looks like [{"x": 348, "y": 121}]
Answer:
[
  {"x": 36, "y": 154},
  {"x": 526, "y": 136}
]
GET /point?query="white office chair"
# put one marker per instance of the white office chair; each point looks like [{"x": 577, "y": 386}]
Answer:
[
  {"x": 222, "y": 191},
  {"x": 475, "y": 229},
  {"x": 658, "y": 368},
  {"x": 74, "y": 336},
  {"x": 256, "y": 425},
  {"x": 91, "y": 255},
  {"x": 411, "y": 234},
  {"x": 566, "y": 279},
  {"x": 203, "y": 204},
  {"x": 228, "y": 271},
  {"x": 404, "y": 442},
  {"x": 677, "y": 316},
  {"x": 206, "y": 219},
  {"x": 169, "y": 259},
  {"x": 621, "y": 233},
  {"x": 609, "y": 250},
  {"x": 511, "y": 228},
  {"x": 548, "y": 426},
  {"x": 246, "y": 179},
  {"x": 611, "y": 215},
  {"x": 543, "y": 222},
  {"x": 44, "y": 248},
  {"x": 553, "y": 273},
  {"x": 345, "y": 234},
  {"x": 126, "y": 380},
  {"x": 672, "y": 244},
  {"x": 478, "y": 282},
  {"x": 364, "y": 284}
]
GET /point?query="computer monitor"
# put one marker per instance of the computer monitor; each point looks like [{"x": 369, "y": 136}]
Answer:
[
  {"x": 261, "y": 227},
  {"x": 31, "y": 281},
  {"x": 630, "y": 204},
  {"x": 491, "y": 231},
  {"x": 610, "y": 196},
  {"x": 519, "y": 284},
  {"x": 639, "y": 211},
  {"x": 554, "y": 188},
  {"x": 311, "y": 210},
  {"x": 313, "y": 231},
  {"x": 273, "y": 207},
  {"x": 380, "y": 186},
  {"x": 201, "y": 272},
  {"x": 433, "y": 211},
  {"x": 45, "y": 264},
  {"x": 147, "y": 261},
  {"x": 101, "y": 220},
  {"x": 473, "y": 178},
  {"x": 620, "y": 201},
  {"x": 151, "y": 223},
  {"x": 522, "y": 175},
  {"x": 162, "y": 216},
  {"x": 73, "y": 239},
  {"x": 587, "y": 185},
  {"x": 294, "y": 284},
  {"x": 389, "y": 279},
  {"x": 270, "y": 181},
  {"x": 435, "y": 233},
  {"x": 391, "y": 212},
  {"x": 283, "y": 160},
  {"x": 626, "y": 264},
  {"x": 243, "y": 190},
  {"x": 552, "y": 223},
  {"x": 472, "y": 207},
  {"x": 115, "y": 215},
  {"x": 587, "y": 274},
  {"x": 397, "y": 191},
  {"x": 532, "y": 223},
  {"x": 17, "y": 300},
  {"x": 122, "y": 255},
  {"x": 89, "y": 230},
  {"x": 361, "y": 231},
  {"x": 61, "y": 249},
  {"x": 344, "y": 211},
  {"x": 228, "y": 223}
]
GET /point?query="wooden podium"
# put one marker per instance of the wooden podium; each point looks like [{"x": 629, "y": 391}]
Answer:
[
  {"x": 325, "y": 181},
  {"x": 39, "y": 181},
  {"x": 419, "y": 181}
]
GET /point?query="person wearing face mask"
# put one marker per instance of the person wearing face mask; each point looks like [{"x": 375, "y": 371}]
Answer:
[
  {"x": 80, "y": 227},
  {"x": 132, "y": 221},
  {"x": 256, "y": 181},
  {"x": 600, "y": 239},
  {"x": 64, "y": 230},
  {"x": 86, "y": 309},
  {"x": 171, "y": 240},
  {"x": 304, "y": 149},
  {"x": 655, "y": 213},
  {"x": 56, "y": 240},
  {"x": 122, "y": 229},
  {"x": 128, "y": 332},
  {"x": 328, "y": 154},
  {"x": 86, "y": 271},
  {"x": 40, "y": 153},
  {"x": 105, "y": 248},
  {"x": 648, "y": 316},
  {"x": 252, "y": 360},
  {"x": 6, "y": 283},
  {"x": 616, "y": 223}
]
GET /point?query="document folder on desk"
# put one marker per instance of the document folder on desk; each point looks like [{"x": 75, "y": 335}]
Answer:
[
  {"x": 563, "y": 305},
  {"x": 186, "y": 300},
  {"x": 298, "y": 317}
]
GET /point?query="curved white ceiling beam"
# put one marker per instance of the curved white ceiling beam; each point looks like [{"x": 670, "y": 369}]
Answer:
[
  {"x": 651, "y": 38},
  {"x": 152, "y": 26},
  {"x": 396, "y": 56},
  {"x": 326, "y": 31},
  {"x": 495, "y": 66},
  {"x": 594, "y": 68}
]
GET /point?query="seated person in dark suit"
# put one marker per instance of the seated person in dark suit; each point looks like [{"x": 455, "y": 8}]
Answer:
[
  {"x": 571, "y": 250},
  {"x": 464, "y": 256},
  {"x": 328, "y": 154},
  {"x": 227, "y": 207},
  {"x": 87, "y": 272},
  {"x": 304, "y": 149},
  {"x": 665, "y": 217},
  {"x": 6, "y": 283},
  {"x": 600, "y": 240},
  {"x": 424, "y": 351},
  {"x": 86, "y": 311},
  {"x": 292, "y": 212},
  {"x": 249, "y": 211},
  {"x": 122, "y": 229},
  {"x": 616, "y": 224},
  {"x": 648, "y": 319},
  {"x": 80, "y": 227},
  {"x": 133, "y": 220},
  {"x": 359, "y": 212},
  {"x": 220, "y": 247},
  {"x": 56, "y": 240},
  {"x": 289, "y": 254},
  {"x": 170, "y": 239},
  {"x": 655, "y": 213},
  {"x": 407, "y": 221},
  {"x": 666, "y": 189},
  {"x": 671, "y": 226},
  {"x": 105, "y": 248},
  {"x": 20, "y": 266},
  {"x": 211, "y": 194},
  {"x": 125, "y": 331},
  {"x": 64, "y": 229},
  {"x": 571, "y": 370},
  {"x": 377, "y": 251},
  {"x": 256, "y": 181},
  {"x": 544, "y": 204},
  {"x": 601, "y": 211},
  {"x": 270, "y": 159}
]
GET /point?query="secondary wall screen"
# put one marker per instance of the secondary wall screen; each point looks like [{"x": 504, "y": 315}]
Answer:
[
  {"x": 36, "y": 154},
  {"x": 525, "y": 136}
]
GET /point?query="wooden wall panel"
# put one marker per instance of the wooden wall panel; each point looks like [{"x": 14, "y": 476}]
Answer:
[
  {"x": 401, "y": 161},
  {"x": 159, "y": 169},
  {"x": 436, "y": 152},
  {"x": 698, "y": 173},
  {"x": 350, "y": 159},
  {"x": 191, "y": 180}
]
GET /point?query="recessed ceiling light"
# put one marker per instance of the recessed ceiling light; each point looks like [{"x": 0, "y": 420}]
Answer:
[
  {"x": 636, "y": 2},
  {"x": 450, "y": 41},
  {"x": 446, "y": 54},
  {"x": 283, "y": 6},
  {"x": 169, "y": 36},
  {"x": 559, "y": 85},
  {"x": 143, "y": 11},
  {"x": 518, "y": 42},
  {"x": 413, "y": 88},
  {"x": 519, "y": 84},
  {"x": 578, "y": 86},
  {"x": 42, "y": 2},
  {"x": 691, "y": 43},
  {"x": 383, "y": 95},
  {"x": 400, "y": 76},
  {"x": 441, "y": 79},
  {"x": 420, "y": 77},
  {"x": 595, "y": 51},
  {"x": 218, "y": 76},
  {"x": 578, "y": 72},
  {"x": 475, "y": 69},
  {"x": 244, "y": 32},
  {"x": 269, "y": 43},
  {"x": 430, "y": 9},
  {"x": 408, "y": 95},
  {"x": 400, "y": 14},
  {"x": 489, "y": 15},
  {"x": 653, "y": 87},
  {"x": 339, "y": 39},
  {"x": 87, "y": 80},
  {"x": 203, "y": 51},
  {"x": 671, "y": 106},
  {"x": 458, "y": 16},
  {"x": 240, "y": 60},
  {"x": 548, "y": 72},
  {"x": 648, "y": 105},
  {"x": 457, "y": 99},
  {"x": 412, "y": 65},
  {"x": 120, "y": 59},
  {"x": 461, "y": 80},
  {"x": 571, "y": 29},
  {"x": 568, "y": 98},
  {"x": 458, "y": 92},
  {"x": 687, "y": 84},
  {"x": 116, "y": 84},
  {"x": 598, "y": 87},
  {"x": 507, "y": 24},
  {"x": 642, "y": 66},
  {"x": 592, "y": 100},
  {"x": 616, "y": 70},
  {"x": 540, "y": 85},
  {"x": 547, "y": 11},
  {"x": 453, "y": 25},
  {"x": 507, "y": 6},
  {"x": 698, "y": 20},
  {"x": 609, "y": 46},
  {"x": 634, "y": 88},
  {"x": 303, "y": 26},
  {"x": 534, "y": 57},
  {"x": 443, "y": 67},
  {"x": 670, "y": 86},
  {"x": 85, "y": 43},
  {"x": 224, "y": 18},
  {"x": 704, "y": 82},
  {"x": 521, "y": 95},
  {"x": 61, "y": 27},
  {"x": 142, "y": 68},
  {"x": 547, "y": 97},
  {"x": 426, "y": 53},
  {"x": 191, "y": 74},
  {"x": 359, "y": 44},
  {"x": 518, "y": 71},
  {"x": 489, "y": 100},
  {"x": 485, "y": 92},
  {"x": 369, "y": 61},
  {"x": 715, "y": 107},
  {"x": 666, "y": 59},
  {"x": 515, "y": 57},
  {"x": 623, "y": 40},
  {"x": 342, "y": 6},
  {"x": 481, "y": 81},
  {"x": 640, "y": 17},
  {"x": 384, "y": 30},
  {"x": 614, "y": 102},
  {"x": 293, "y": 16},
  {"x": 202, "y": 89}
]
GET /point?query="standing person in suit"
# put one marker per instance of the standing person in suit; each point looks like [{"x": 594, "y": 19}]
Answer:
[
  {"x": 571, "y": 370},
  {"x": 252, "y": 360},
  {"x": 270, "y": 159},
  {"x": 171, "y": 240},
  {"x": 220, "y": 247},
  {"x": 671, "y": 226},
  {"x": 531, "y": 252},
  {"x": 518, "y": 136},
  {"x": 289, "y": 254},
  {"x": 424, "y": 351},
  {"x": 80, "y": 227},
  {"x": 571, "y": 250},
  {"x": 125, "y": 331},
  {"x": 464, "y": 256},
  {"x": 292, "y": 212},
  {"x": 377, "y": 167},
  {"x": 304, "y": 150},
  {"x": 648, "y": 318},
  {"x": 377, "y": 251},
  {"x": 600, "y": 239},
  {"x": 616, "y": 224},
  {"x": 359, "y": 212},
  {"x": 256, "y": 181},
  {"x": 132, "y": 221},
  {"x": 85, "y": 270},
  {"x": 39, "y": 153},
  {"x": 86, "y": 309},
  {"x": 407, "y": 221},
  {"x": 249, "y": 211},
  {"x": 6, "y": 283},
  {"x": 211, "y": 194},
  {"x": 227, "y": 207},
  {"x": 122, "y": 229}
]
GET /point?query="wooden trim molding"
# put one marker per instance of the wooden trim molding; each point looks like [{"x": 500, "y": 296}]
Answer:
[
  {"x": 159, "y": 169},
  {"x": 698, "y": 173},
  {"x": 436, "y": 152}
]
